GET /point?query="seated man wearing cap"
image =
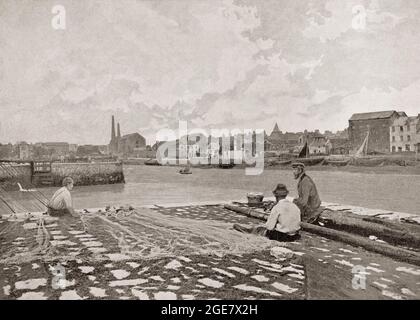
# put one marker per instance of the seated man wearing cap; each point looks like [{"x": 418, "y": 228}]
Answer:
[
  {"x": 308, "y": 201},
  {"x": 283, "y": 224},
  {"x": 61, "y": 202}
]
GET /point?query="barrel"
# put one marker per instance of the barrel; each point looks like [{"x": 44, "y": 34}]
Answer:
[{"x": 255, "y": 199}]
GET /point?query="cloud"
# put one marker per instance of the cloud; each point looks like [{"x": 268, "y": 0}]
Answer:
[{"x": 230, "y": 63}]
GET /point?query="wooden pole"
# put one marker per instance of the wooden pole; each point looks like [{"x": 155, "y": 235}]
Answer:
[
  {"x": 378, "y": 247},
  {"x": 389, "y": 233},
  {"x": 355, "y": 240}
]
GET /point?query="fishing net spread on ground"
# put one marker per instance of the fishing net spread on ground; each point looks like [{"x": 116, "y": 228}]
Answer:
[
  {"x": 138, "y": 234},
  {"x": 150, "y": 234}
]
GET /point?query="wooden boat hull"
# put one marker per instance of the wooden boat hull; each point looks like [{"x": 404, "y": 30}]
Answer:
[
  {"x": 310, "y": 161},
  {"x": 152, "y": 162},
  {"x": 181, "y": 172},
  {"x": 337, "y": 163}
]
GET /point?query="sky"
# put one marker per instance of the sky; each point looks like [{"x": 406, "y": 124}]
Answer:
[{"x": 217, "y": 64}]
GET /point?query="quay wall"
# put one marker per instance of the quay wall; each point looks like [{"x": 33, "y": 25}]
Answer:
[{"x": 85, "y": 174}]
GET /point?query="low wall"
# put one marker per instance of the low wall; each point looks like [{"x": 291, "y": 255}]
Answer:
[{"x": 88, "y": 173}]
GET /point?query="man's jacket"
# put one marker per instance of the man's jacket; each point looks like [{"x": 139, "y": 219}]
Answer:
[{"x": 308, "y": 202}]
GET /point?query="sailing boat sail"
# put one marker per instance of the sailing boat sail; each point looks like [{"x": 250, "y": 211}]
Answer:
[
  {"x": 304, "y": 153},
  {"x": 363, "y": 148}
]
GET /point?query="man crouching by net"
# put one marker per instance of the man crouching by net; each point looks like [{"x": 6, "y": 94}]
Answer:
[
  {"x": 61, "y": 203},
  {"x": 283, "y": 224}
]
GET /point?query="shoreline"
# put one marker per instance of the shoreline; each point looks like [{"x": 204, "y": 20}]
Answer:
[
  {"x": 390, "y": 169},
  {"x": 401, "y": 170}
]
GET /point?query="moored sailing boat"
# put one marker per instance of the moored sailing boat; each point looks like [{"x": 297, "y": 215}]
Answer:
[
  {"x": 306, "y": 159},
  {"x": 363, "y": 149}
]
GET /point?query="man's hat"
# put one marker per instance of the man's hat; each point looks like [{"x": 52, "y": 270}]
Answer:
[
  {"x": 281, "y": 189},
  {"x": 298, "y": 165},
  {"x": 66, "y": 181}
]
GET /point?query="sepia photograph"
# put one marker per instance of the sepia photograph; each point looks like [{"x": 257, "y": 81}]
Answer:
[{"x": 216, "y": 150}]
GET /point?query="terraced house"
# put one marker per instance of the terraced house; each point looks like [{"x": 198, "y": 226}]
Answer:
[{"x": 405, "y": 134}]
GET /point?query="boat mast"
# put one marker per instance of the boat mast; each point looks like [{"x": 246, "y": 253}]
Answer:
[
  {"x": 367, "y": 140},
  {"x": 363, "y": 148}
]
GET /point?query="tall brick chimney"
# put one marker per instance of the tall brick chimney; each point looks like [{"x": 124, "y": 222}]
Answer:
[{"x": 113, "y": 129}]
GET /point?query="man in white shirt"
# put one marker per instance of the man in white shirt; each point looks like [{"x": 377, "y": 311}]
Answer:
[
  {"x": 283, "y": 224},
  {"x": 61, "y": 202}
]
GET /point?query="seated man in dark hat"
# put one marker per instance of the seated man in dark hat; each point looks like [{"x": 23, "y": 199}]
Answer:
[
  {"x": 308, "y": 201},
  {"x": 283, "y": 224}
]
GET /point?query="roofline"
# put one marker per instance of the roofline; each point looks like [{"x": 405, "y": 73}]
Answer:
[{"x": 367, "y": 113}]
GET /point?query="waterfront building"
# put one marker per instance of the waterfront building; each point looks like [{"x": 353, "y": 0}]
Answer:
[
  {"x": 337, "y": 146},
  {"x": 56, "y": 148},
  {"x": 128, "y": 145},
  {"x": 52, "y": 150},
  {"x": 375, "y": 126},
  {"x": 405, "y": 134},
  {"x": 317, "y": 142},
  {"x": 131, "y": 144},
  {"x": 23, "y": 150},
  {"x": 6, "y": 151},
  {"x": 88, "y": 150},
  {"x": 73, "y": 148},
  {"x": 293, "y": 142}
]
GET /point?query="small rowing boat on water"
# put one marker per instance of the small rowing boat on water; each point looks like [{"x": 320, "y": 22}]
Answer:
[
  {"x": 185, "y": 170},
  {"x": 226, "y": 166}
]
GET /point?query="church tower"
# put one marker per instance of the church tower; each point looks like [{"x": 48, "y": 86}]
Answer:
[{"x": 276, "y": 129}]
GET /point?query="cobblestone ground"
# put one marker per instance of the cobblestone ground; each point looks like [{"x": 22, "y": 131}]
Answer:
[{"x": 97, "y": 264}]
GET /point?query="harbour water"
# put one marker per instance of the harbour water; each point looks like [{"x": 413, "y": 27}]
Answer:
[{"x": 147, "y": 185}]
